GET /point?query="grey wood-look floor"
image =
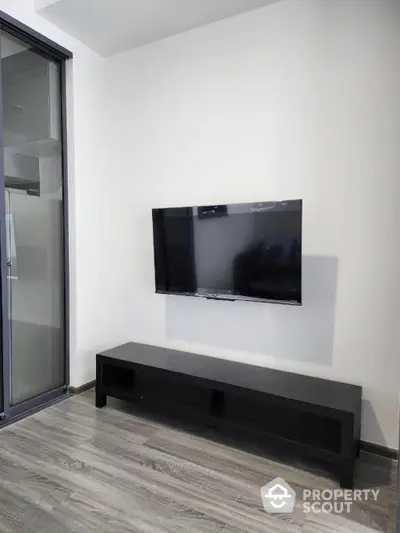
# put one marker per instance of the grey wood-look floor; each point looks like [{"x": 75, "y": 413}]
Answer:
[{"x": 74, "y": 468}]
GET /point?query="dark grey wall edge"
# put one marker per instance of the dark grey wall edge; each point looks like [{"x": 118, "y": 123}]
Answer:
[
  {"x": 376, "y": 449},
  {"x": 32, "y": 37},
  {"x": 398, "y": 496},
  {"x": 82, "y": 388},
  {"x": 397, "y": 527},
  {"x": 65, "y": 204}
]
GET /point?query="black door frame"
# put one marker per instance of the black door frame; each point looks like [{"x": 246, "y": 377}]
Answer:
[{"x": 51, "y": 50}]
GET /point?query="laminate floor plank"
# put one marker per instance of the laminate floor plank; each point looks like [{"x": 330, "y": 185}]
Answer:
[
  {"x": 73, "y": 468},
  {"x": 225, "y": 462}
]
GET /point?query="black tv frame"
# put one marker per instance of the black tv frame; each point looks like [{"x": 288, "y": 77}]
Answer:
[{"x": 213, "y": 211}]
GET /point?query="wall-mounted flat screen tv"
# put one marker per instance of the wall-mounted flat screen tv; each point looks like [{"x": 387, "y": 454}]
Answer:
[{"x": 246, "y": 251}]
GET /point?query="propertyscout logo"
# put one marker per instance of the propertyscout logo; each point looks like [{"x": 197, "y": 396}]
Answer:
[{"x": 279, "y": 497}]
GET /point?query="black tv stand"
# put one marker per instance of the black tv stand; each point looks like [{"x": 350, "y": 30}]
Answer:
[{"x": 318, "y": 417}]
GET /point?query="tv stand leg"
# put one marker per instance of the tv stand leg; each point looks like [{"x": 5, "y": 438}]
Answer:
[
  {"x": 217, "y": 404},
  {"x": 347, "y": 474},
  {"x": 101, "y": 399},
  {"x": 358, "y": 448}
]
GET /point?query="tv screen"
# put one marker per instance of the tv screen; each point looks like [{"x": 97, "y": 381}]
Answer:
[{"x": 246, "y": 251}]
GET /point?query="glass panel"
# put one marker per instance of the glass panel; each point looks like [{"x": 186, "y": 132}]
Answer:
[{"x": 34, "y": 218}]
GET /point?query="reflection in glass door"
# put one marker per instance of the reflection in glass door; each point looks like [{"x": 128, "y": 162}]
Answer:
[{"x": 34, "y": 219}]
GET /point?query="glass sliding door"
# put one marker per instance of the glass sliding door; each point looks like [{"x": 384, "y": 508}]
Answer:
[{"x": 34, "y": 220}]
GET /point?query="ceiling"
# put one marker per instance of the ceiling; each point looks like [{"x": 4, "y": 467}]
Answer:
[{"x": 110, "y": 26}]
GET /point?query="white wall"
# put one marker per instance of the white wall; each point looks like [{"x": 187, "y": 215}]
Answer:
[
  {"x": 300, "y": 99},
  {"x": 88, "y": 195},
  {"x": 296, "y": 100}
]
